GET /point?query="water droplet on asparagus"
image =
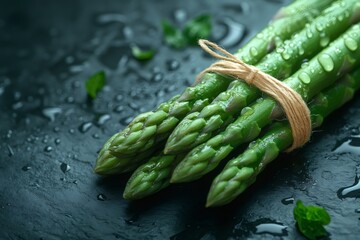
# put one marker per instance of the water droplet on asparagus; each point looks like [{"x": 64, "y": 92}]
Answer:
[
  {"x": 304, "y": 77},
  {"x": 326, "y": 62},
  {"x": 351, "y": 44}
]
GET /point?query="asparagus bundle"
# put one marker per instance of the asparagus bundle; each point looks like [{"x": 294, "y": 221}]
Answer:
[
  {"x": 137, "y": 141},
  {"x": 155, "y": 174},
  {"x": 210, "y": 110},
  {"x": 318, "y": 73},
  {"x": 198, "y": 127}
]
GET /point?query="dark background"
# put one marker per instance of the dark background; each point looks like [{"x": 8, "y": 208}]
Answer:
[{"x": 50, "y": 133}]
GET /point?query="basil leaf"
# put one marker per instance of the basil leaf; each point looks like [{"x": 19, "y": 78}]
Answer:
[
  {"x": 142, "y": 55},
  {"x": 199, "y": 27},
  {"x": 95, "y": 83},
  {"x": 173, "y": 36},
  {"x": 311, "y": 220}
]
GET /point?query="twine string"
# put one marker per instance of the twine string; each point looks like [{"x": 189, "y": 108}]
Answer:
[{"x": 291, "y": 102}]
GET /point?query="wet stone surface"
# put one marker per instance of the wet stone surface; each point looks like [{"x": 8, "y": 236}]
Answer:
[{"x": 50, "y": 132}]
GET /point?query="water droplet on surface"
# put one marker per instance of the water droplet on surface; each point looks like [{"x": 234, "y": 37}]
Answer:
[
  {"x": 8, "y": 134},
  {"x": 326, "y": 62},
  {"x": 72, "y": 131},
  {"x": 10, "y": 151},
  {"x": 51, "y": 112},
  {"x": 26, "y": 168},
  {"x": 133, "y": 106},
  {"x": 351, "y": 44},
  {"x": 351, "y": 145},
  {"x": 357, "y": 210},
  {"x": 180, "y": 15},
  {"x": 101, "y": 197},
  {"x": 287, "y": 201},
  {"x": 172, "y": 65},
  {"x": 351, "y": 191},
  {"x": 126, "y": 120},
  {"x": 304, "y": 77},
  {"x": 96, "y": 136},
  {"x": 157, "y": 77},
  {"x": 69, "y": 99},
  {"x": 48, "y": 149},
  {"x": 17, "y": 105},
  {"x": 103, "y": 119},
  {"x": 119, "y": 109},
  {"x": 64, "y": 167},
  {"x": 235, "y": 32},
  {"x": 84, "y": 127},
  {"x": 276, "y": 229},
  {"x": 57, "y": 141},
  {"x": 119, "y": 98},
  {"x": 111, "y": 17}
]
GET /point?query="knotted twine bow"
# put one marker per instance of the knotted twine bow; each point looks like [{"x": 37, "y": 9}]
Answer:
[{"x": 292, "y": 103}]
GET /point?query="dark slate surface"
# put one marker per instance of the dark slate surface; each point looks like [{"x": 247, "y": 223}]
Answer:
[{"x": 50, "y": 132}]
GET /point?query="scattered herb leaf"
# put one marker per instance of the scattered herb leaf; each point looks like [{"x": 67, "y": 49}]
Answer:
[
  {"x": 311, "y": 220},
  {"x": 194, "y": 29},
  {"x": 95, "y": 83},
  {"x": 142, "y": 55},
  {"x": 199, "y": 27},
  {"x": 173, "y": 36}
]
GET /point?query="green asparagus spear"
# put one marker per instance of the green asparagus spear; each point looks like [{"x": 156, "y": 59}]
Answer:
[
  {"x": 152, "y": 127},
  {"x": 151, "y": 177},
  {"x": 198, "y": 127},
  {"x": 241, "y": 171},
  {"x": 288, "y": 20},
  {"x": 155, "y": 175},
  {"x": 321, "y": 71}
]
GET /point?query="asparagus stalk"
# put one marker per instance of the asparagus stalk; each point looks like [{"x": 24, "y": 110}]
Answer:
[
  {"x": 143, "y": 133},
  {"x": 321, "y": 71},
  {"x": 155, "y": 175},
  {"x": 241, "y": 171},
  {"x": 288, "y": 20},
  {"x": 200, "y": 126}
]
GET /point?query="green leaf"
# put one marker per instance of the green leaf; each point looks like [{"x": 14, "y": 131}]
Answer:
[
  {"x": 311, "y": 220},
  {"x": 142, "y": 55},
  {"x": 194, "y": 29},
  {"x": 199, "y": 27},
  {"x": 173, "y": 36},
  {"x": 95, "y": 83}
]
